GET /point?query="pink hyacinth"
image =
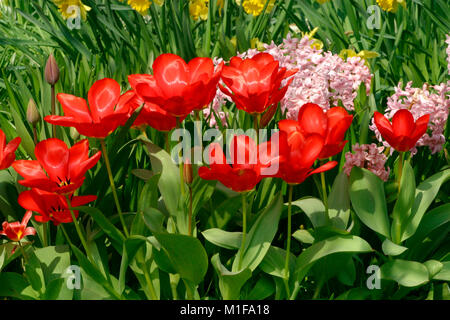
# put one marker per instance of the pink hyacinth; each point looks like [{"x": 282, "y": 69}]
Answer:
[
  {"x": 323, "y": 77},
  {"x": 367, "y": 156},
  {"x": 421, "y": 101},
  {"x": 219, "y": 100}
]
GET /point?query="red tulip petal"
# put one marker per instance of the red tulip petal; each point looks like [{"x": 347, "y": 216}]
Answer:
[
  {"x": 263, "y": 58},
  {"x": 82, "y": 200},
  {"x": 312, "y": 119},
  {"x": 31, "y": 200},
  {"x": 310, "y": 150},
  {"x": 325, "y": 167},
  {"x": 421, "y": 128},
  {"x": 79, "y": 161},
  {"x": 235, "y": 62},
  {"x": 26, "y": 218},
  {"x": 200, "y": 69},
  {"x": 74, "y": 107},
  {"x": 243, "y": 151},
  {"x": 30, "y": 231},
  {"x": 235, "y": 81},
  {"x": 171, "y": 73},
  {"x": 289, "y": 126},
  {"x": 53, "y": 155},
  {"x": 385, "y": 127},
  {"x": 103, "y": 97},
  {"x": 29, "y": 169},
  {"x": 403, "y": 123}
]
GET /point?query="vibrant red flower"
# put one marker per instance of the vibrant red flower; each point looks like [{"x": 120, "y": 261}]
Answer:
[
  {"x": 7, "y": 151},
  {"x": 176, "y": 86},
  {"x": 100, "y": 118},
  {"x": 255, "y": 84},
  {"x": 403, "y": 133},
  {"x": 51, "y": 206},
  {"x": 15, "y": 231},
  {"x": 245, "y": 171},
  {"x": 151, "y": 114},
  {"x": 330, "y": 125},
  {"x": 297, "y": 155},
  {"x": 57, "y": 168}
]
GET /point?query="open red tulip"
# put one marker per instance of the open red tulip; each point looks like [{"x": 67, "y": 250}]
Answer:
[
  {"x": 57, "y": 168},
  {"x": 151, "y": 114},
  {"x": 7, "y": 151},
  {"x": 102, "y": 116},
  {"x": 243, "y": 174},
  {"x": 176, "y": 86},
  {"x": 297, "y": 155},
  {"x": 51, "y": 206},
  {"x": 330, "y": 125},
  {"x": 16, "y": 231},
  {"x": 254, "y": 84},
  {"x": 403, "y": 133}
]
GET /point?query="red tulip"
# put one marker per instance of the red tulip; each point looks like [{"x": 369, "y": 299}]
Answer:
[
  {"x": 176, "y": 86},
  {"x": 57, "y": 168},
  {"x": 330, "y": 125},
  {"x": 245, "y": 171},
  {"x": 7, "y": 151},
  {"x": 101, "y": 117},
  {"x": 151, "y": 114},
  {"x": 51, "y": 206},
  {"x": 16, "y": 231},
  {"x": 255, "y": 84},
  {"x": 403, "y": 133},
  {"x": 297, "y": 155}
]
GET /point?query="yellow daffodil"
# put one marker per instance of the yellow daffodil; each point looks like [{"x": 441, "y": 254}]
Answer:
[
  {"x": 317, "y": 44},
  {"x": 363, "y": 54},
  {"x": 391, "y": 5},
  {"x": 322, "y": 1},
  {"x": 142, "y": 6},
  {"x": 72, "y": 8},
  {"x": 198, "y": 9},
  {"x": 256, "y": 44},
  {"x": 255, "y": 7}
]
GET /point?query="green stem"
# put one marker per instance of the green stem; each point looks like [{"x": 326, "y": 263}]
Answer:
[
  {"x": 180, "y": 158},
  {"x": 400, "y": 169},
  {"x": 244, "y": 229},
  {"x": 190, "y": 212},
  {"x": 45, "y": 232},
  {"x": 25, "y": 257},
  {"x": 35, "y": 138},
  {"x": 324, "y": 192},
  {"x": 113, "y": 187},
  {"x": 65, "y": 234},
  {"x": 53, "y": 101},
  {"x": 77, "y": 227},
  {"x": 397, "y": 223},
  {"x": 149, "y": 283},
  {"x": 256, "y": 118},
  {"x": 288, "y": 242}
]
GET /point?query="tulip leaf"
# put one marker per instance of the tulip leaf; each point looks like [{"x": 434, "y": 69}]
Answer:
[
  {"x": 260, "y": 236},
  {"x": 368, "y": 200},
  {"x": 339, "y": 201},
  {"x": 130, "y": 247},
  {"x": 153, "y": 219},
  {"x": 404, "y": 202},
  {"x": 223, "y": 239},
  {"x": 425, "y": 194},
  {"x": 433, "y": 267},
  {"x": 303, "y": 236},
  {"x": 335, "y": 244},
  {"x": 314, "y": 209},
  {"x": 405, "y": 273},
  {"x": 15, "y": 285},
  {"x": 274, "y": 261},
  {"x": 186, "y": 255},
  {"x": 444, "y": 272},
  {"x": 230, "y": 283},
  {"x": 392, "y": 249}
]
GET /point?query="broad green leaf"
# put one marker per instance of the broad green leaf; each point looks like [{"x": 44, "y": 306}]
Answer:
[
  {"x": 130, "y": 247},
  {"x": 186, "y": 255},
  {"x": 230, "y": 283},
  {"x": 274, "y": 261},
  {"x": 303, "y": 236},
  {"x": 260, "y": 236},
  {"x": 326, "y": 247},
  {"x": 368, "y": 200},
  {"x": 314, "y": 209},
  {"x": 405, "y": 273},
  {"x": 15, "y": 285},
  {"x": 433, "y": 267},
  {"x": 404, "y": 201},
  {"x": 105, "y": 225},
  {"x": 392, "y": 249},
  {"x": 425, "y": 194},
  {"x": 444, "y": 273},
  {"x": 153, "y": 219},
  {"x": 339, "y": 201},
  {"x": 223, "y": 239}
]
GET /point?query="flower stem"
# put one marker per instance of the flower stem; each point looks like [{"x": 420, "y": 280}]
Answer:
[
  {"x": 149, "y": 283},
  {"x": 113, "y": 187},
  {"x": 256, "y": 118},
  {"x": 180, "y": 158},
  {"x": 77, "y": 227},
  {"x": 25, "y": 257},
  {"x": 400, "y": 169},
  {"x": 244, "y": 229},
  {"x": 324, "y": 192},
  {"x": 53, "y": 102},
  {"x": 397, "y": 223},
  {"x": 35, "y": 139},
  {"x": 190, "y": 212},
  {"x": 288, "y": 242},
  {"x": 65, "y": 234},
  {"x": 45, "y": 232}
]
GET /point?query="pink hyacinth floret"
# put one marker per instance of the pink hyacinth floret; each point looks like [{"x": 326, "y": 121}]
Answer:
[{"x": 368, "y": 156}]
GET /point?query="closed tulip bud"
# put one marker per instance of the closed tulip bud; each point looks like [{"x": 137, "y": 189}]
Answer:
[
  {"x": 267, "y": 116},
  {"x": 74, "y": 134},
  {"x": 51, "y": 70},
  {"x": 187, "y": 172},
  {"x": 33, "y": 116}
]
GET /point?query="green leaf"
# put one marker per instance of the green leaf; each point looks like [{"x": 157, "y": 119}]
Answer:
[
  {"x": 230, "y": 283},
  {"x": 130, "y": 247},
  {"x": 15, "y": 285},
  {"x": 392, "y": 249},
  {"x": 260, "y": 236},
  {"x": 339, "y": 201},
  {"x": 186, "y": 255},
  {"x": 433, "y": 267},
  {"x": 273, "y": 262},
  {"x": 303, "y": 236},
  {"x": 314, "y": 209},
  {"x": 444, "y": 273},
  {"x": 404, "y": 201},
  {"x": 425, "y": 194},
  {"x": 153, "y": 219},
  {"x": 105, "y": 225},
  {"x": 368, "y": 200},
  {"x": 223, "y": 239},
  {"x": 405, "y": 273},
  {"x": 326, "y": 247}
]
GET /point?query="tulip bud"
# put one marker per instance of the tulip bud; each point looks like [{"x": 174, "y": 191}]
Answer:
[
  {"x": 51, "y": 70},
  {"x": 267, "y": 116},
  {"x": 33, "y": 116},
  {"x": 74, "y": 134},
  {"x": 187, "y": 172}
]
